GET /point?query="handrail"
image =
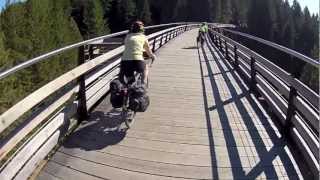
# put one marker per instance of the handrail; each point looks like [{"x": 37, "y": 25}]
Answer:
[
  {"x": 291, "y": 52},
  {"x": 295, "y": 105},
  {"x": 32, "y": 61},
  {"x": 36, "y": 147},
  {"x": 31, "y": 100}
]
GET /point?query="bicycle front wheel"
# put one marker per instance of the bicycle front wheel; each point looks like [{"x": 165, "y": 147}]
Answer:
[{"x": 129, "y": 119}]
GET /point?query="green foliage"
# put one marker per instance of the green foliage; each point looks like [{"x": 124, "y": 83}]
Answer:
[
  {"x": 216, "y": 10},
  {"x": 226, "y": 14},
  {"x": 128, "y": 11},
  {"x": 260, "y": 21},
  {"x": 143, "y": 11},
  {"x": 94, "y": 19},
  {"x": 30, "y": 29},
  {"x": 90, "y": 17},
  {"x": 123, "y": 13},
  {"x": 164, "y": 11},
  {"x": 3, "y": 53}
]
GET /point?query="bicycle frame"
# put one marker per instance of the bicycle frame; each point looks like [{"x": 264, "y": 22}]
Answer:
[{"x": 126, "y": 93}]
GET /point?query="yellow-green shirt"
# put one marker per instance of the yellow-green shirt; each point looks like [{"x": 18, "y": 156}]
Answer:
[
  {"x": 134, "y": 46},
  {"x": 204, "y": 28}
]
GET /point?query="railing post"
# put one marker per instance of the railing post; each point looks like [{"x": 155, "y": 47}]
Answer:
[
  {"x": 253, "y": 75},
  {"x": 236, "y": 57},
  {"x": 213, "y": 38},
  {"x": 226, "y": 49},
  {"x": 90, "y": 51},
  {"x": 166, "y": 37},
  {"x": 161, "y": 39},
  {"x": 220, "y": 43},
  {"x": 154, "y": 44},
  {"x": 82, "y": 110},
  {"x": 291, "y": 108}
]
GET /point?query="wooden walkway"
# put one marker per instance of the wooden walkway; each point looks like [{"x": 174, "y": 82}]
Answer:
[{"x": 202, "y": 124}]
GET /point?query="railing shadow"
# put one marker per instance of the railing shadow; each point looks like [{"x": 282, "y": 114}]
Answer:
[
  {"x": 266, "y": 157},
  {"x": 230, "y": 140},
  {"x": 214, "y": 165},
  {"x": 98, "y": 133},
  {"x": 190, "y": 47}
]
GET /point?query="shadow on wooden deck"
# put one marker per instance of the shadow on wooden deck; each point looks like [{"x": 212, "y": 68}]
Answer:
[
  {"x": 99, "y": 132},
  {"x": 266, "y": 155}
]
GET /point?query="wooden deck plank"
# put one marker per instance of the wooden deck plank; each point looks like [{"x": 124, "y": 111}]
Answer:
[{"x": 202, "y": 123}]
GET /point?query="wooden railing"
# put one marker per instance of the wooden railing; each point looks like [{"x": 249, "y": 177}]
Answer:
[
  {"x": 43, "y": 131},
  {"x": 295, "y": 105}
]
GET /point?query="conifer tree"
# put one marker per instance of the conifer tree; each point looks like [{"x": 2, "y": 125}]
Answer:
[
  {"x": 93, "y": 16},
  {"x": 107, "y": 7},
  {"x": 297, "y": 15},
  {"x": 166, "y": 9},
  {"x": 307, "y": 34},
  {"x": 181, "y": 11},
  {"x": 128, "y": 12},
  {"x": 13, "y": 25},
  {"x": 239, "y": 12},
  {"x": 226, "y": 13},
  {"x": 30, "y": 29},
  {"x": 215, "y": 8},
  {"x": 260, "y": 22},
  {"x": 123, "y": 13},
  {"x": 143, "y": 11},
  {"x": 65, "y": 32},
  {"x": 3, "y": 53}
]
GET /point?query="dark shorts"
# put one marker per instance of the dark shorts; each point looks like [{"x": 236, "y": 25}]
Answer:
[{"x": 128, "y": 68}]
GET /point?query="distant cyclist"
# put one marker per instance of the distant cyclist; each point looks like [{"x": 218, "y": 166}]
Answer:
[
  {"x": 203, "y": 30},
  {"x": 136, "y": 43}
]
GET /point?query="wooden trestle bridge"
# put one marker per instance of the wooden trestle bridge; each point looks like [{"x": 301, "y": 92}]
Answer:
[{"x": 218, "y": 111}]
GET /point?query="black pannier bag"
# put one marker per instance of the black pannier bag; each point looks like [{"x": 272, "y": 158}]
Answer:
[
  {"x": 139, "y": 100},
  {"x": 116, "y": 97},
  {"x": 139, "y": 104},
  {"x": 116, "y": 100},
  {"x": 115, "y": 86}
]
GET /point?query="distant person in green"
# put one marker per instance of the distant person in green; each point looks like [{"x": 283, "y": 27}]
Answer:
[
  {"x": 203, "y": 30},
  {"x": 136, "y": 43}
]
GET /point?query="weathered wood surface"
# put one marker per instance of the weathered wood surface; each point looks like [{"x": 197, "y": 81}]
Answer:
[{"x": 202, "y": 124}]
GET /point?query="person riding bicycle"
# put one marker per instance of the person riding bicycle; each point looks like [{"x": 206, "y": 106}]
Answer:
[
  {"x": 203, "y": 30},
  {"x": 136, "y": 43}
]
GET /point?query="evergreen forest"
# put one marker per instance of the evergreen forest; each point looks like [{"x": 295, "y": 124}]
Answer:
[{"x": 33, "y": 27}]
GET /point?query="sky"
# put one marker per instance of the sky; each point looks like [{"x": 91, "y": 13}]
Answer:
[
  {"x": 2, "y": 3},
  {"x": 313, "y": 5}
]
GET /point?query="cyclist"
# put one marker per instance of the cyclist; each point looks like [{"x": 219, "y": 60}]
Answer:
[
  {"x": 203, "y": 30},
  {"x": 132, "y": 59}
]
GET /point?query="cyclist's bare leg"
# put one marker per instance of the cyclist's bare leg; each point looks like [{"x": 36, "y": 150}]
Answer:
[{"x": 146, "y": 73}]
